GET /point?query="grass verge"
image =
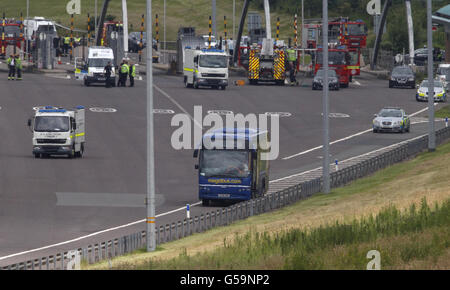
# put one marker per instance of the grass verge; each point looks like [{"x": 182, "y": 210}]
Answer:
[
  {"x": 443, "y": 112},
  {"x": 178, "y": 13},
  {"x": 388, "y": 193}
]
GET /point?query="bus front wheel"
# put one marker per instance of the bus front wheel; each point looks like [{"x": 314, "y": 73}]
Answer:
[{"x": 205, "y": 202}]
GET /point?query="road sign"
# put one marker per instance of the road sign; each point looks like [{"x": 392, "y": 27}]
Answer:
[{"x": 374, "y": 7}]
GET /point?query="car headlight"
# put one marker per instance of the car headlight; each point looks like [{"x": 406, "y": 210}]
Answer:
[
  {"x": 392, "y": 79},
  {"x": 376, "y": 123}
]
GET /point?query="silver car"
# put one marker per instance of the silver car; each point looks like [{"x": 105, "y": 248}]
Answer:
[
  {"x": 439, "y": 91},
  {"x": 391, "y": 120}
]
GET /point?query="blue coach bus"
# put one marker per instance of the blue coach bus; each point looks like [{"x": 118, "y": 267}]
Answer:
[{"x": 237, "y": 173}]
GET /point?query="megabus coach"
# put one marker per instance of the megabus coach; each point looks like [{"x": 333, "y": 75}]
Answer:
[{"x": 236, "y": 171}]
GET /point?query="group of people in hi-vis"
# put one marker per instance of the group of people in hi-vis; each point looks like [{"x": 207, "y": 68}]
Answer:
[
  {"x": 125, "y": 70},
  {"x": 15, "y": 66}
]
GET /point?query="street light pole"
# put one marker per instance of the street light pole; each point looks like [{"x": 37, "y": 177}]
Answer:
[
  {"x": 95, "y": 8},
  {"x": 150, "y": 200},
  {"x": 125, "y": 27},
  {"x": 214, "y": 18},
  {"x": 234, "y": 16},
  {"x": 326, "y": 154},
  {"x": 164, "y": 24},
  {"x": 302, "y": 35},
  {"x": 431, "y": 131},
  {"x": 27, "y": 42}
]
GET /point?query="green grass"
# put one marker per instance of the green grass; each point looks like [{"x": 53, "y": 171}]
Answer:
[
  {"x": 336, "y": 246},
  {"x": 385, "y": 211},
  {"x": 443, "y": 112},
  {"x": 178, "y": 13}
]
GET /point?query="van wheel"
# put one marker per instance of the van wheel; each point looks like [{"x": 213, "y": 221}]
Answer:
[
  {"x": 186, "y": 84},
  {"x": 72, "y": 153},
  {"x": 37, "y": 155},
  {"x": 79, "y": 154}
]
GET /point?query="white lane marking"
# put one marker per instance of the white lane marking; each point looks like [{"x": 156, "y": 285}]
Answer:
[
  {"x": 337, "y": 115},
  {"x": 93, "y": 234},
  {"x": 279, "y": 114},
  {"x": 58, "y": 76},
  {"x": 102, "y": 110},
  {"x": 163, "y": 111},
  {"x": 345, "y": 138},
  {"x": 220, "y": 112},
  {"x": 346, "y": 160},
  {"x": 357, "y": 83},
  {"x": 177, "y": 104}
]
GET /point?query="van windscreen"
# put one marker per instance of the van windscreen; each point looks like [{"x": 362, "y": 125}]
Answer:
[{"x": 99, "y": 62}]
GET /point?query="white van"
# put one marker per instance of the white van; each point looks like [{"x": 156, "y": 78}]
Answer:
[
  {"x": 443, "y": 74},
  {"x": 31, "y": 26},
  {"x": 205, "y": 67},
  {"x": 98, "y": 58}
]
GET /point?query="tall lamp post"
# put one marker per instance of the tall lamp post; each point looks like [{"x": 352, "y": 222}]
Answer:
[
  {"x": 150, "y": 200},
  {"x": 326, "y": 155},
  {"x": 431, "y": 131}
]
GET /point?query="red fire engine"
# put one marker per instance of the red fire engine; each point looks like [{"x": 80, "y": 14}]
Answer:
[
  {"x": 338, "y": 59},
  {"x": 352, "y": 34},
  {"x": 312, "y": 34},
  {"x": 11, "y": 33}
]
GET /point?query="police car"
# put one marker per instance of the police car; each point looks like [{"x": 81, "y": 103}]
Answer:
[
  {"x": 439, "y": 91},
  {"x": 391, "y": 119}
]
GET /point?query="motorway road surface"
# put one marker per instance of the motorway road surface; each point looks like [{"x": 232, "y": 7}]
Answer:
[{"x": 115, "y": 153}]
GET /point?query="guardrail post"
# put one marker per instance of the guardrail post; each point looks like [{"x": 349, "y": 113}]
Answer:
[
  {"x": 202, "y": 223},
  {"x": 100, "y": 254}
]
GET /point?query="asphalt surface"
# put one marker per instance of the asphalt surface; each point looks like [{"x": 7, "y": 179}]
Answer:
[{"x": 31, "y": 218}]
